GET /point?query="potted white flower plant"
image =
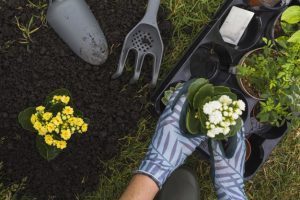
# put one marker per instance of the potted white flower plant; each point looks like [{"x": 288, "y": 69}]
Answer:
[{"x": 210, "y": 110}]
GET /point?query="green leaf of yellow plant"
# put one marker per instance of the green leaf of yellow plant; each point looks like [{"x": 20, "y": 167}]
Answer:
[
  {"x": 78, "y": 113},
  {"x": 86, "y": 120},
  {"x": 291, "y": 15},
  {"x": 56, "y": 108},
  {"x": 24, "y": 119},
  {"x": 46, "y": 151},
  {"x": 59, "y": 92}
]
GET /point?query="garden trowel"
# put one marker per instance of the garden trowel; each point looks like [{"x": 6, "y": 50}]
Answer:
[{"x": 75, "y": 23}]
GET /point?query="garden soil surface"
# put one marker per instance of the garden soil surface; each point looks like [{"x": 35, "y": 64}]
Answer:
[{"x": 29, "y": 73}]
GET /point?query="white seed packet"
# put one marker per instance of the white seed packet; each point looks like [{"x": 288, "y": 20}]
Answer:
[{"x": 235, "y": 25}]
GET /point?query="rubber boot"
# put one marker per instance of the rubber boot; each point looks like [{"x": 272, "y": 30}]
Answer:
[{"x": 181, "y": 185}]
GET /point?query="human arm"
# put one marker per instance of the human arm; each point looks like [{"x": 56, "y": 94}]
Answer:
[
  {"x": 167, "y": 151},
  {"x": 141, "y": 187}
]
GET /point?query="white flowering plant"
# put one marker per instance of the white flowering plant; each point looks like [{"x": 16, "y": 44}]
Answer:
[
  {"x": 213, "y": 110},
  {"x": 54, "y": 122}
]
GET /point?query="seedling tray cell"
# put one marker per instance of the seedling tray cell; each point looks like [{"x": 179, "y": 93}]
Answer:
[{"x": 212, "y": 58}]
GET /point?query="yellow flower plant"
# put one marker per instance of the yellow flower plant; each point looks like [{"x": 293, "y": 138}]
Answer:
[{"x": 55, "y": 123}]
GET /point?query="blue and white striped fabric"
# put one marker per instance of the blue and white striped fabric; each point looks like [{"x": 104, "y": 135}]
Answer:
[
  {"x": 228, "y": 172},
  {"x": 169, "y": 147}
]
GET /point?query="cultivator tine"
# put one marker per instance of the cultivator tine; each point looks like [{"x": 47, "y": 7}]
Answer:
[
  {"x": 156, "y": 68},
  {"x": 122, "y": 62},
  {"x": 138, "y": 67}
]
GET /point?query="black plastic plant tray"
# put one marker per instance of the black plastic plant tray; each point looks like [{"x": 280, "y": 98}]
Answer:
[{"x": 210, "y": 57}]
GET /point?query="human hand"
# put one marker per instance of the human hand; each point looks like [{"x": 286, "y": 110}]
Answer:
[
  {"x": 228, "y": 167},
  {"x": 170, "y": 146}
]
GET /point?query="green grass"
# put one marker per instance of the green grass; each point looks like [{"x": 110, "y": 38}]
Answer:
[
  {"x": 32, "y": 25},
  {"x": 10, "y": 192}
]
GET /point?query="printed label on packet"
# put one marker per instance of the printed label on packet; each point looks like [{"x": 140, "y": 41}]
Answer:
[{"x": 235, "y": 25}]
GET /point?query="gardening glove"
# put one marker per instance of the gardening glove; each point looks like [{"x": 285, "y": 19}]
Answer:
[
  {"x": 228, "y": 167},
  {"x": 170, "y": 146}
]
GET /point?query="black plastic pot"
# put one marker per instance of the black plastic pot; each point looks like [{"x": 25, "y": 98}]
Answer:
[
  {"x": 252, "y": 34},
  {"x": 272, "y": 31},
  {"x": 209, "y": 60},
  {"x": 265, "y": 130}
]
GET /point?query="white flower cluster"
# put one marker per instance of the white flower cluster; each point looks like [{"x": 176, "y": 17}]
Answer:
[{"x": 222, "y": 114}]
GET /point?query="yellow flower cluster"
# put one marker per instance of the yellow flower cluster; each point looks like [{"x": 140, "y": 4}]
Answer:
[
  {"x": 60, "y": 99},
  {"x": 58, "y": 129}
]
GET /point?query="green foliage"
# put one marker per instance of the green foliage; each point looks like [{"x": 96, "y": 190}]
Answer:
[
  {"x": 290, "y": 19},
  {"x": 294, "y": 115},
  {"x": 275, "y": 74},
  {"x": 220, "y": 90},
  {"x": 168, "y": 93},
  {"x": 46, "y": 151},
  {"x": 58, "y": 92},
  {"x": 55, "y": 108},
  {"x": 204, "y": 92},
  {"x": 195, "y": 86},
  {"x": 24, "y": 119},
  {"x": 272, "y": 112},
  {"x": 259, "y": 67},
  {"x": 193, "y": 125},
  {"x": 291, "y": 15},
  {"x": 295, "y": 38}
]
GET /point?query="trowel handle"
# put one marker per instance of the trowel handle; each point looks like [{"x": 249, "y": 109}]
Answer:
[{"x": 151, "y": 13}]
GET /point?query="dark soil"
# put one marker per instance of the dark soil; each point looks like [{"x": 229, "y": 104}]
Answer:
[
  {"x": 28, "y": 74},
  {"x": 247, "y": 83},
  {"x": 249, "y": 87}
]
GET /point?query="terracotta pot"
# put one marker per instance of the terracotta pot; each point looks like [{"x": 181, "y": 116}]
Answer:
[
  {"x": 269, "y": 4},
  {"x": 248, "y": 149},
  {"x": 241, "y": 82}
]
